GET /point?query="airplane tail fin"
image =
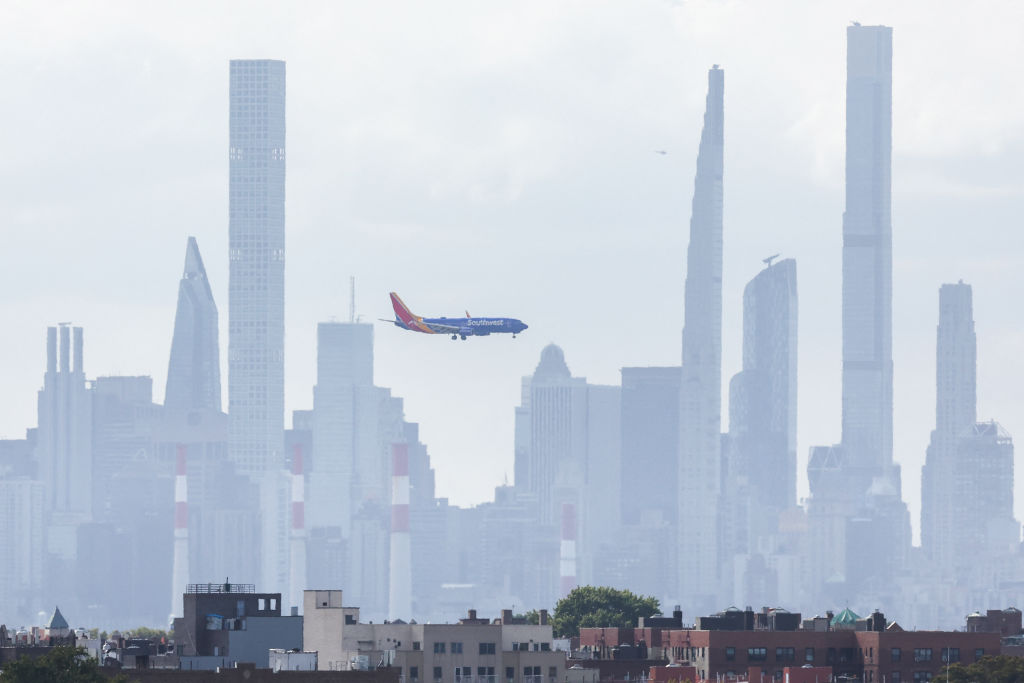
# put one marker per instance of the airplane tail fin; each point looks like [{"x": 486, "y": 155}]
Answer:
[{"x": 402, "y": 311}]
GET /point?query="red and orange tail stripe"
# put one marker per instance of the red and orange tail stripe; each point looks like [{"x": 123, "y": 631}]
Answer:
[{"x": 408, "y": 318}]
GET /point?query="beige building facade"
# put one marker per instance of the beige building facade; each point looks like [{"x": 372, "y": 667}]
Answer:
[{"x": 474, "y": 650}]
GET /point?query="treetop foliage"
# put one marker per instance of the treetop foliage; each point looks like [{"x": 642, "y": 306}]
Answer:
[
  {"x": 595, "y": 607},
  {"x": 991, "y": 669}
]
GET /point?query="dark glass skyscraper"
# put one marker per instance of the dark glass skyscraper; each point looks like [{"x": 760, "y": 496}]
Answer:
[
  {"x": 193, "y": 373},
  {"x": 256, "y": 252},
  {"x": 701, "y": 387}
]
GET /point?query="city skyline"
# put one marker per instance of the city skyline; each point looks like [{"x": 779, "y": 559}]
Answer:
[{"x": 591, "y": 358}]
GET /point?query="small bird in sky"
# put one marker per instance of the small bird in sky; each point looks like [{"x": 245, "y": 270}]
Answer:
[{"x": 662, "y": 152}]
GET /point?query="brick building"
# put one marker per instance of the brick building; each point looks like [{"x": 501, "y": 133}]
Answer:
[{"x": 731, "y": 643}]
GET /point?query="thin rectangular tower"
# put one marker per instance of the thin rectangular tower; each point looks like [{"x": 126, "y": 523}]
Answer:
[{"x": 256, "y": 277}]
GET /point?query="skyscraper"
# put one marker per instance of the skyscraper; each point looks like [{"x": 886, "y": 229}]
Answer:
[
  {"x": 955, "y": 413},
  {"x": 867, "y": 257},
  {"x": 762, "y": 397},
  {"x": 983, "y": 504},
  {"x": 256, "y": 274},
  {"x": 64, "y": 446},
  {"x": 650, "y": 444},
  {"x": 344, "y": 375},
  {"x": 761, "y": 459},
  {"x": 701, "y": 388},
  {"x": 193, "y": 373}
]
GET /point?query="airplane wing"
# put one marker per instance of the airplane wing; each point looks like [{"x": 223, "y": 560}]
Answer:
[{"x": 442, "y": 328}]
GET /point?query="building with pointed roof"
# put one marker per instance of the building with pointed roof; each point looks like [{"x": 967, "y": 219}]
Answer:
[{"x": 193, "y": 372}]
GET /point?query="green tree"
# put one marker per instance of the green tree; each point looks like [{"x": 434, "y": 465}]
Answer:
[
  {"x": 532, "y": 617},
  {"x": 590, "y": 606},
  {"x": 991, "y": 669},
  {"x": 147, "y": 632},
  {"x": 63, "y": 664}
]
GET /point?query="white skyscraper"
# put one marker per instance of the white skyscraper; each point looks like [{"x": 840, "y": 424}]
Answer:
[{"x": 256, "y": 276}]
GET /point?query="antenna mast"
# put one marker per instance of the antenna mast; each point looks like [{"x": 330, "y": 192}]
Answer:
[{"x": 352, "y": 299}]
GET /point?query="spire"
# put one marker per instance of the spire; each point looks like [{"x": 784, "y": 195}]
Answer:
[{"x": 193, "y": 373}]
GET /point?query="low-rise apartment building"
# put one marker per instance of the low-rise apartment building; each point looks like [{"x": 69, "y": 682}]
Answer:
[
  {"x": 729, "y": 644},
  {"x": 474, "y": 650}
]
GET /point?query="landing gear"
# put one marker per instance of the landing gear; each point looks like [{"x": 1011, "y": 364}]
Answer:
[
  {"x": 455, "y": 336},
  {"x": 513, "y": 336},
  {"x": 463, "y": 337}
]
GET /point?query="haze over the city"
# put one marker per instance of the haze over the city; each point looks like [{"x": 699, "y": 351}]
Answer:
[{"x": 534, "y": 161}]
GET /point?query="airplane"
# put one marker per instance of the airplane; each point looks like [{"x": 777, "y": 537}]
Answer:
[{"x": 456, "y": 327}]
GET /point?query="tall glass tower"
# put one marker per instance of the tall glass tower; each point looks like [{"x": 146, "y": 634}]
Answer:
[
  {"x": 256, "y": 275},
  {"x": 867, "y": 255},
  {"x": 701, "y": 388}
]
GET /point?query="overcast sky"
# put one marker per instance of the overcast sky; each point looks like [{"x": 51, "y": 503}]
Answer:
[{"x": 499, "y": 157}]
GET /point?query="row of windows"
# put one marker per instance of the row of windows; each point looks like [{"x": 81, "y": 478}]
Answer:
[
  {"x": 485, "y": 672},
  {"x": 788, "y": 654},
  {"x": 456, "y": 648}
]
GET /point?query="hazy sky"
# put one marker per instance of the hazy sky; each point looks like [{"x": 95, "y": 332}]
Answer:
[{"x": 499, "y": 157}]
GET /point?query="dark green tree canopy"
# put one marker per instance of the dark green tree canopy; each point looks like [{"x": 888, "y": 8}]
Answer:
[
  {"x": 991, "y": 669},
  {"x": 590, "y": 606},
  {"x": 60, "y": 665}
]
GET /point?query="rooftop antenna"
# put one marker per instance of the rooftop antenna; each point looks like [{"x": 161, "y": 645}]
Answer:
[
  {"x": 768, "y": 261},
  {"x": 352, "y": 299}
]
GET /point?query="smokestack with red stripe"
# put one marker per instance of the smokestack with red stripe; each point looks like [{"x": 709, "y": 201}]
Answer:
[
  {"x": 297, "y": 541},
  {"x": 567, "y": 564},
  {"x": 179, "y": 571},
  {"x": 400, "y": 593}
]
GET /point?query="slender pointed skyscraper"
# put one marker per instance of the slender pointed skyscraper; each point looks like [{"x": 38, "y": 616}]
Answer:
[
  {"x": 701, "y": 389},
  {"x": 256, "y": 279},
  {"x": 193, "y": 373}
]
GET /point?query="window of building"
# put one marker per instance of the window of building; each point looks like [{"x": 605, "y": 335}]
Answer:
[
  {"x": 261, "y": 604},
  {"x": 950, "y": 655},
  {"x": 487, "y": 648},
  {"x": 895, "y": 677},
  {"x": 777, "y": 675},
  {"x": 438, "y": 648},
  {"x": 730, "y": 654},
  {"x": 414, "y": 672},
  {"x": 785, "y": 654},
  {"x": 485, "y": 673},
  {"x": 922, "y": 676},
  {"x": 979, "y": 653},
  {"x": 830, "y": 656},
  {"x": 456, "y": 648},
  {"x": 273, "y": 603},
  {"x": 845, "y": 655},
  {"x": 808, "y": 654},
  {"x": 897, "y": 654},
  {"x": 922, "y": 654},
  {"x": 757, "y": 654},
  {"x": 438, "y": 674},
  {"x": 415, "y": 645},
  {"x": 545, "y": 647},
  {"x": 510, "y": 673},
  {"x": 552, "y": 672}
]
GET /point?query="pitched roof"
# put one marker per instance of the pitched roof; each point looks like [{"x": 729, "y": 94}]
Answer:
[
  {"x": 57, "y": 621},
  {"x": 845, "y": 618}
]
